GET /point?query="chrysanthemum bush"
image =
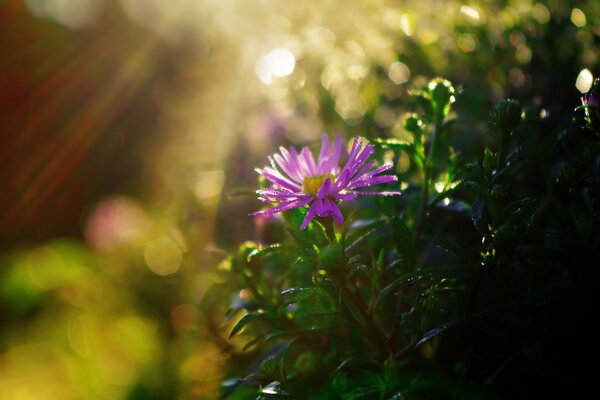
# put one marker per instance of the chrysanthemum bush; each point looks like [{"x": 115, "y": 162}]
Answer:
[{"x": 475, "y": 278}]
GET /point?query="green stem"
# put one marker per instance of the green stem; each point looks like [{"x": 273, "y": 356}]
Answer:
[
  {"x": 427, "y": 171},
  {"x": 503, "y": 149},
  {"x": 329, "y": 229},
  {"x": 377, "y": 335}
]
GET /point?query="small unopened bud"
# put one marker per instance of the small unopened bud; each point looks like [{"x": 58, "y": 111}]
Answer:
[
  {"x": 507, "y": 115},
  {"x": 591, "y": 100},
  {"x": 592, "y": 97},
  {"x": 414, "y": 125},
  {"x": 442, "y": 94}
]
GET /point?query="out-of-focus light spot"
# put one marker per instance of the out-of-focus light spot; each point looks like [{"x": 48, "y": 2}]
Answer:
[
  {"x": 584, "y": 81},
  {"x": 403, "y": 164},
  {"x": 578, "y": 18},
  {"x": 541, "y": 13},
  {"x": 116, "y": 366},
  {"x": 332, "y": 75},
  {"x": 356, "y": 66},
  {"x": 78, "y": 332},
  {"x": 182, "y": 317},
  {"x": 115, "y": 221},
  {"x": 470, "y": 12},
  {"x": 319, "y": 40},
  {"x": 74, "y": 14},
  {"x": 388, "y": 157},
  {"x": 466, "y": 43},
  {"x": 439, "y": 187},
  {"x": 523, "y": 54},
  {"x": 428, "y": 36},
  {"x": 446, "y": 201},
  {"x": 45, "y": 267},
  {"x": 406, "y": 25},
  {"x": 276, "y": 63},
  {"x": 391, "y": 17},
  {"x": 206, "y": 184},
  {"x": 516, "y": 38},
  {"x": 205, "y": 365},
  {"x": 516, "y": 77},
  {"x": 162, "y": 256},
  {"x": 350, "y": 106},
  {"x": 384, "y": 116},
  {"x": 404, "y": 186},
  {"x": 455, "y": 184},
  {"x": 543, "y": 113},
  {"x": 399, "y": 73}
]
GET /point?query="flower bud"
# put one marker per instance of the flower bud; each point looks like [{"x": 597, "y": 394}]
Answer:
[
  {"x": 591, "y": 100},
  {"x": 442, "y": 94},
  {"x": 414, "y": 125},
  {"x": 507, "y": 115}
]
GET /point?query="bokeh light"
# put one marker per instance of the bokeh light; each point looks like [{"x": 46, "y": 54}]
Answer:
[
  {"x": 584, "y": 80},
  {"x": 276, "y": 63}
]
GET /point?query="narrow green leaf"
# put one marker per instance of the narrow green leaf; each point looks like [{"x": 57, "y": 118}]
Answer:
[
  {"x": 244, "y": 320},
  {"x": 270, "y": 250},
  {"x": 442, "y": 272},
  {"x": 360, "y": 234}
]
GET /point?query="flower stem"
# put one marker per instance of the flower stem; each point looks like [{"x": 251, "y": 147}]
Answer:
[
  {"x": 503, "y": 148},
  {"x": 329, "y": 229},
  {"x": 427, "y": 170},
  {"x": 377, "y": 335}
]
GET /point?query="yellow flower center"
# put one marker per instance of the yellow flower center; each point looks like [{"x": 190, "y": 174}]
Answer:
[{"x": 312, "y": 184}]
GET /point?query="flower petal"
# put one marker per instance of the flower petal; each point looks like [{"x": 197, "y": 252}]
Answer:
[
  {"x": 362, "y": 193},
  {"x": 310, "y": 214},
  {"x": 278, "y": 194},
  {"x": 299, "y": 162},
  {"x": 334, "y": 211},
  {"x": 276, "y": 177},
  {"x": 345, "y": 196},
  {"x": 290, "y": 169},
  {"x": 324, "y": 155},
  {"x": 309, "y": 161},
  {"x": 337, "y": 151},
  {"x": 373, "y": 181},
  {"x": 341, "y": 181},
  {"x": 284, "y": 206},
  {"x": 365, "y": 174},
  {"x": 324, "y": 189}
]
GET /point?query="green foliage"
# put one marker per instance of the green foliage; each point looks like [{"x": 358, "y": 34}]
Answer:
[{"x": 464, "y": 287}]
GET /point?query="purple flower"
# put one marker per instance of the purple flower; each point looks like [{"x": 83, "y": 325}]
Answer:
[{"x": 298, "y": 181}]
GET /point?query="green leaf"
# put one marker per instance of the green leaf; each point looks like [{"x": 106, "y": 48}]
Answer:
[
  {"x": 278, "y": 334},
  {"x": 360, "y": 234},
  {"x": 270, "y": 250},
  {"x": 442, "y": 272},
  {"x": 244, "y": 320},
  {"x": 445, "y": 244},
  {"x": 299, "y": 294},
  {"x": 477, "y": 215}
]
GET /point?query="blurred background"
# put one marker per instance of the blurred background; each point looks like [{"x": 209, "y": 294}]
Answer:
[{"x": 129, "y": 134}]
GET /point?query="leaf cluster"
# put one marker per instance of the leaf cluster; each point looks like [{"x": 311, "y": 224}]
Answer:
[{"x": 478, "y": 279}]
